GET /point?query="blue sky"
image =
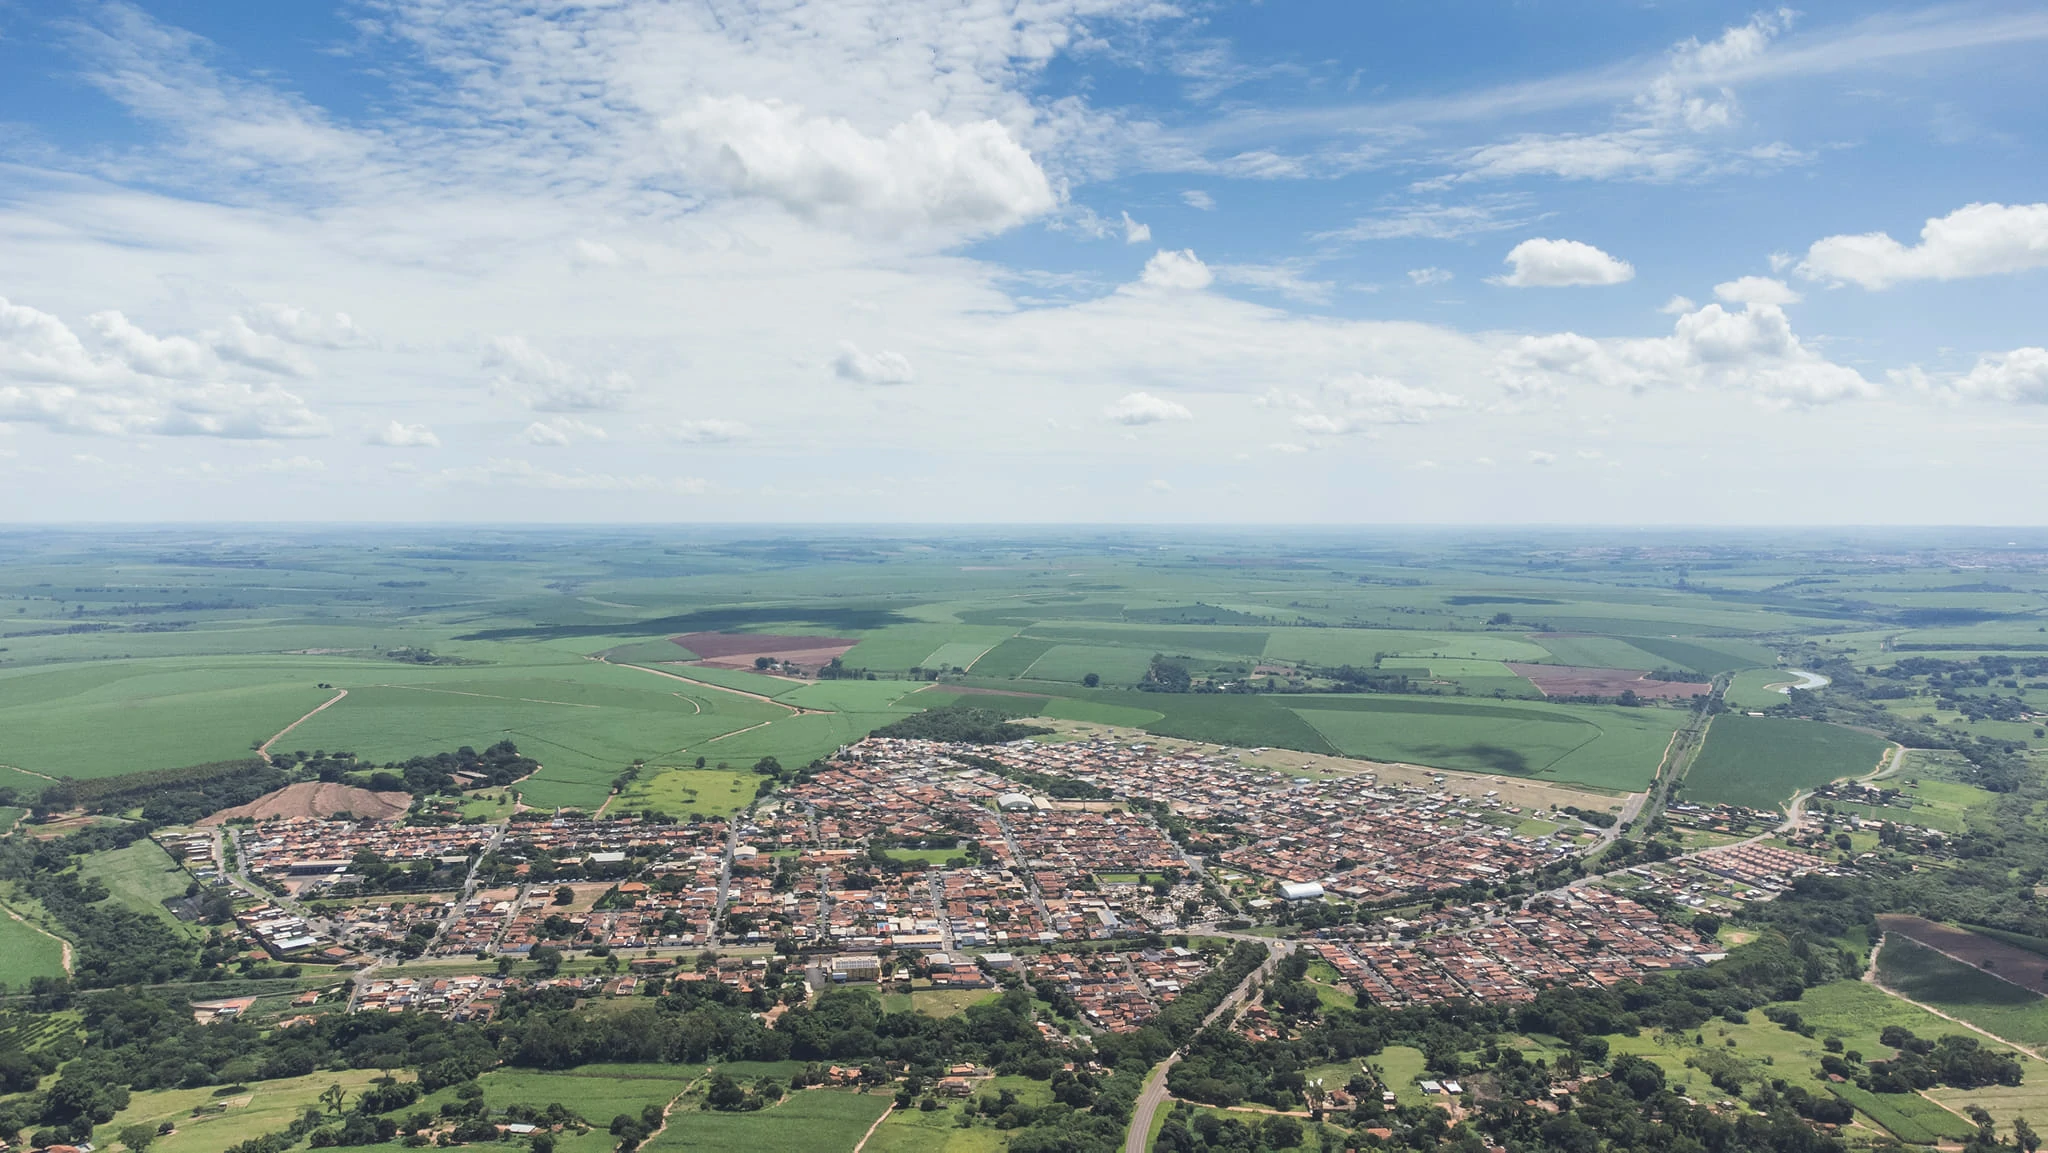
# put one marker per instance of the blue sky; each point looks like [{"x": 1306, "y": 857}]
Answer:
[{"x": 1057, "y": 260}]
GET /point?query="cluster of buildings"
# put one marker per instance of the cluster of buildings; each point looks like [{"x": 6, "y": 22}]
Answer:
[
  {"x": 1489, "y": 952},
  {"x": 1731, "y": 873},
  {"x": 1119, "y": 991}
]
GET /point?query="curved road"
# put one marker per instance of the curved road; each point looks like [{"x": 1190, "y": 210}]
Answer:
[{"x": 1154, "y": 1093}]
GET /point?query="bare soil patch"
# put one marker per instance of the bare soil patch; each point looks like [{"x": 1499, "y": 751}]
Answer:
[
  {"x": 2008, "y": 962},
  {"x": 317, "y": 800},
  {"x": 740, "y": 650},
  {"x": 1577, "y": 681}
]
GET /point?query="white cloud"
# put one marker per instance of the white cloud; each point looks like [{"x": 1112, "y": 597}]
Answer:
[
  {"x": 709, "y": 431},
  {"x": 879, "y": 367},
  {"x": 1354, "y": 402},
  {"x": 1753, "y": 350},
  {"x": 1539, "y": 457},
  {"x": 550, "y": 385},
  {"x": 1678, "y": 305},
  {"x": 596, "y": 252},
  {"x": 1436, "y": 221},
  {"x": 1144, "y": 408},
  {"x": 128, "y": 380},
  {"x": 2019, "y": 376},
  {"x": 1285, "y": 278},
  {"x": 1176, "y": 270},
  {"x": 304, "y": 326},
  {"x": 398, "y": 434},
  {"x": 1134, "y": 232},
  {"x": 921, "y": 175},
  {"x": 293, "y": 464},
  {"x": 1753, "y": 290},
  {"x": 560, "y": 431},
  {"x": 1424, "y": 277},
  {"x": 1196, "y": 198},
  {"x": 1974, "y": 240},
  {"x": 1562, "y": 263}
]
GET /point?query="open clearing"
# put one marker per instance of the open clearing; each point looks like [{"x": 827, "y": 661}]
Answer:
[
  {"x": 597, "y": 1093},
  {"x": 265, "y": 1107},
  {"x": 142, "y": 876},
  {"x": 680, "y": 792},
  {"x": 27, "y": 952},
  {"x": 1761, "y": 761}
]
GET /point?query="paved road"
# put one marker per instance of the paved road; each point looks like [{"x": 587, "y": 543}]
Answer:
[{"x": 1154, "y": 1093}]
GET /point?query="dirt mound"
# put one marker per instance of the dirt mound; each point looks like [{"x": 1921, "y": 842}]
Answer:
[
  {"x": 318, "y": 799},
  {"x": 1575, "y": 681}
]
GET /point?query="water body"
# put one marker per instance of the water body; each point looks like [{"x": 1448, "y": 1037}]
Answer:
[{"x": 1807, "y": 682}]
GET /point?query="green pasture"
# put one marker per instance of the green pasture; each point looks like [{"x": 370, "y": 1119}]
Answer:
[
  {"x": 1935, "y": 804},
  {"x": 810, "y": 1121},
  {"x": 1602, "y": 747},
  {"x": 1226, "y": 642},
  {"x": 27, "y": 952},
  {"x": 679, "y": 792},
  {"x": 1749, "y": 689},
  {"x": 597, "y": 1093},
  {"x": 848, "y": 696},
  {"x": 900, "y": 647},
  {"x": 141, "y": 877},
  {"x": 1761, "y": 761},
  {"x": 1910, "y": 1117},
  {"x": 1996, "y": 1006},
  {"x": 265, "y": 1107}
]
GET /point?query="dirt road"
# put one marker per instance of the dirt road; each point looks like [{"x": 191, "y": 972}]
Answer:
[{"x": 263, "y": 750}]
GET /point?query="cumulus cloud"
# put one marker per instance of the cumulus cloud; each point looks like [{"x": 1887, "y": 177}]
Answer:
[
  {"x": 879, "y": 367},
  {"x": 1144, "y": 408},
  {"x": 1135, "y": 232},
  {"x": 1196, "y": 198},
  {"x": 303, "y": 326},
  {"x": 1354, "y": 402},
  {"x": 127, "y": 380},
  {"x": 1424, "y": 277},
  {"x": 1539, "y": 457},
  {"x": 558, "y": 432},
  {"x": 1178, "y": 270},
  {"x": 1753, "y": 350},
  {"x": 550, "y": 385},
  {"x": 2019, "y": 376},
  {"x": 398, "y": 434},
  {"x": 922, "y": 174},
  {"x": 1752, "y": 290},
  {"x": 1974, "y": 240},
  {"x": 1562, "y": 263},
  {"x": 709, "y": 431}
]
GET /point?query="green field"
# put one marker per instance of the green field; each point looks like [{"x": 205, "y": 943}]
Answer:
[
  {"x": 26, "y": 953},
  {"x": 142, "y": 876},
  {"x": 1072, "y": 662},
  {"x": 1761, "y": 761},
  {"x": 1936, "y": 804},
  {"x": 811, "y": 1121},
  {"x": 1329, "y": 647},
  {"x": 1011, "y": 658},
  {"x": 1910, "y": 1117},
  {"x": 267, "y": 1107},
  {"x": 1605, "y": 748},
  {"x": 1750, "y": 689},
  {"x": 1996, "y": 1006},
  {"x": 680, "y": 792},
  {"x": 597, "y": 1093}
]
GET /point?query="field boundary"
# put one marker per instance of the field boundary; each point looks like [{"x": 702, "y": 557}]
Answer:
[
  {"x": 1870, "y": 975},
  {"x": 263, "y": 750}
]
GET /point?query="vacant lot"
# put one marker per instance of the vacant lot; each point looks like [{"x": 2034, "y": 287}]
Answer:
[
  {"x": 1605, "y": 748},
  {"x": 680, "y": 792},
  {"x": 1761, "y": 761}
]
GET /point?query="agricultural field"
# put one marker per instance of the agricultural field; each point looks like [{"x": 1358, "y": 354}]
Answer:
[
  {"x": 1599, "y": 747},
  {"x": 1761, "y": 761},
  {"x": 1997, "y": 1006},
  {"x": 811, "y": 1121}
]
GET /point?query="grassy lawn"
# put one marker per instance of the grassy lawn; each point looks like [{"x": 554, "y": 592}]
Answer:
[
  {"x": 597, "y": 1093},
  {"x": 950, "y": 1002},
  {"x": 1761, "y": 761},
  {"x": 910, "y": 1131},
  {"x": 812, "y": 1121},
  {"x": 27, "y": 952}
]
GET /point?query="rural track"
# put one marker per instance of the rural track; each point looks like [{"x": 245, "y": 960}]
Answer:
[{"x": 263, "y": 750}]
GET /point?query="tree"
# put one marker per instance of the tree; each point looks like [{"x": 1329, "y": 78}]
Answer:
[
  {"x": 547, "y": 959},
  {"x": 141, "y": 1137},
  {"x": 2024, "y": 1136},
  {"x": 334, "y": 1097},
  {"x": 565, "y": 896},
  {"x": 1092, "y": 680}
]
